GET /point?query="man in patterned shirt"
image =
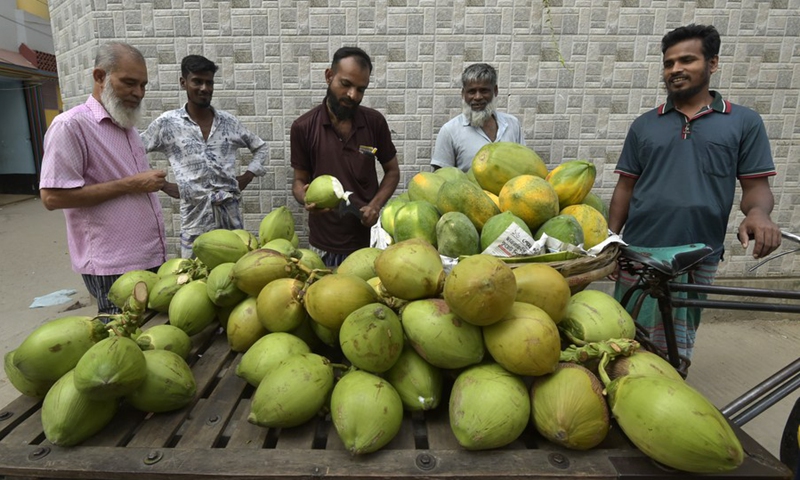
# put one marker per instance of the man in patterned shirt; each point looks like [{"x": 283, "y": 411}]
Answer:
[
  {"x": 96, "y": 169},
  {"x": 201, "y": 143}
]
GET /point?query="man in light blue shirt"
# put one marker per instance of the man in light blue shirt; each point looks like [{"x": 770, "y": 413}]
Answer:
[{"x": 479, "y": 123}]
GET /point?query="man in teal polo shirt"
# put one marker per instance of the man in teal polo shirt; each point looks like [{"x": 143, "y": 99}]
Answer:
[{"x": 678, "y": 172}]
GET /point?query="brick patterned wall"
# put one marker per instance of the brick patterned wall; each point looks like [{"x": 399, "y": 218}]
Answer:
[{"x": 273, "y": 53}]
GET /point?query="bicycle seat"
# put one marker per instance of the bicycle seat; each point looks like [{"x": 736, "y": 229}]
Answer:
[{"x": 671, "y": 261}]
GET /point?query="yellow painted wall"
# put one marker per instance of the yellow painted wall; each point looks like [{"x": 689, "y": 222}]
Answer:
[
  {"x": 35, "y": 7},
  {"x": 50, "y": 114}
]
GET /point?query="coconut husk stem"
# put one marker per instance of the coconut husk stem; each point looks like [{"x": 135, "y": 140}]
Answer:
[
  {"x": 614, "y": 347},
  {"x": 601, "y": 369},
  {"x": 133, "y": 312}
]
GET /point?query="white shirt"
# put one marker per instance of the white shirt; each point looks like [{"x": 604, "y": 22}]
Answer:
[{"x": 458, "y": 142}]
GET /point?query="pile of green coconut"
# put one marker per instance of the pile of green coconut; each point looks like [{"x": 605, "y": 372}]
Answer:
[{"x": 500, "y": 346}]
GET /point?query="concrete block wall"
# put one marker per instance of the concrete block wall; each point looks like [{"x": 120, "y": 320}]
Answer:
[{"x": 576, "y": 72}]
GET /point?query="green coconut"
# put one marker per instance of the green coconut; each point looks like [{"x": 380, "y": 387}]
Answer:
[
  {"x": 259, "y": 267},
  {"x": 243, "y": 328},
  {"x": 411, "y": 269},
  {"x": 282, "y": 246},
  {"x": 371, "y": 338},
  {"x": 266, "y": 353},
  {"x": 332, "y": 298},
  {"x": 672, "y": 423},
  {"x": 641, "y": 362},
  {"x": 480, "y": 289},
  {"x": 278, "y": 223},
  {"x": 305, "y": 332},
  {"x": 327, "y": 336},
  {"x": 440, "y": 336},
  {"x": 25, "y": 386},
  {"x": 325, "y": 191},
  {"x": 190, "y": 308},
  {"x": 168, "y": 385},
  {"x": 569, "y": 409},
  {"x": 293, "y": 392},
  {"x": 122, "y": 287},
  {"x": 250, "y": 240},
  {"x": 525, "y": 341},
  {"x": 218, "y": 246},
  {"x": 112, "y": 368},
  {"x": 164, "y": 289},
  {"x": 69, "y": 416},
  {"x": 489, "y": 407},
  {"x": 418, "y": 383},
  {"x": 174, "y": 266},
  {"x": 360, "y": 263},
  {"x": 594, "y": 316},
  {"x": 166, "y": 337},
  {"x": 310, "y": 259},
  {"x": 366, "y": 411},
  {"x": 54, "y": 348},
  {"x": 220, "y": 287},
  {"x": 278, "y": 305}
]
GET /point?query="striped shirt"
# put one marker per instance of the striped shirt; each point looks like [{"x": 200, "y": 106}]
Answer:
[{"x": 83, "y": 146}]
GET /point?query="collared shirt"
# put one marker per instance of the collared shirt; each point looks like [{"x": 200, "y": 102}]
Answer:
[
  {"x": 83, "y": 147},
  {"x": 458, "y": 141},
  {"x": 205, "y": 170},
  {"x": 686, "y": 171},
  {"x": 317, "y": 148}
]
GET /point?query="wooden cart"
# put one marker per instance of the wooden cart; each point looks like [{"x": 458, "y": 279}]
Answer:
[{"x": 211, "y": 439}]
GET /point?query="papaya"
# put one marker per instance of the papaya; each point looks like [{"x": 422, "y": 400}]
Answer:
[
  {"x": 562, "y": 227},
  {"x": 389, "y": 212},
  {"x": 425, "y": 186},
  {"x": 467, "y": 198},
  {"x": 498, "y": 224},
  {"x": 416, "y": 219},
  {"x": 456, "y": 235},
  {"x": 498, "y": 162},
  {"x": 451, "y": 173},
  {"x": 594, "y": 225},
  {"x": 593, "y": 200},
  {"x": 471, "y": 177},
  {"x": 572, "y": 181},
  {"x": 494, "y": 197},
  {"x": 530, "y": 198}
]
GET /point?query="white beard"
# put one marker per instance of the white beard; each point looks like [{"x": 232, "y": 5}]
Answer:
[
  {"x": 478, "y": 118},
  {"x": 123, "y": 116}
]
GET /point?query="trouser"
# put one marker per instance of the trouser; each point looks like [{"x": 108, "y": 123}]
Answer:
[
  {"x": 98, "y": 286},
  {"x": 330, "y": 259},
  {"x": 685, "y": 319}
]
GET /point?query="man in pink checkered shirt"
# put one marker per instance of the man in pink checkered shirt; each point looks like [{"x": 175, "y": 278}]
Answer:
[{"x": 96, "y": 170}]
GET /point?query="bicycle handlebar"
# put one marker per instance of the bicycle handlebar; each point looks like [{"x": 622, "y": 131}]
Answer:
[{"x": 790, "y": 236}]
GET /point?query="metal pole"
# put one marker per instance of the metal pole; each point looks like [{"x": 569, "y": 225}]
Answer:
[{"x": 777, "y": 378}]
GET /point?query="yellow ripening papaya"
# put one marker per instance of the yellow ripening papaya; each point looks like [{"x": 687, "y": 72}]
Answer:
[
  {"x": 467, "y": 198},
  {"x": 572, "y": 181},
  {"x": 498, "y": 162}
]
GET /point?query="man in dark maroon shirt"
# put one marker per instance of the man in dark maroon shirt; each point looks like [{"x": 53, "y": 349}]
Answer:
[{"x": 342, "y": 139}]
